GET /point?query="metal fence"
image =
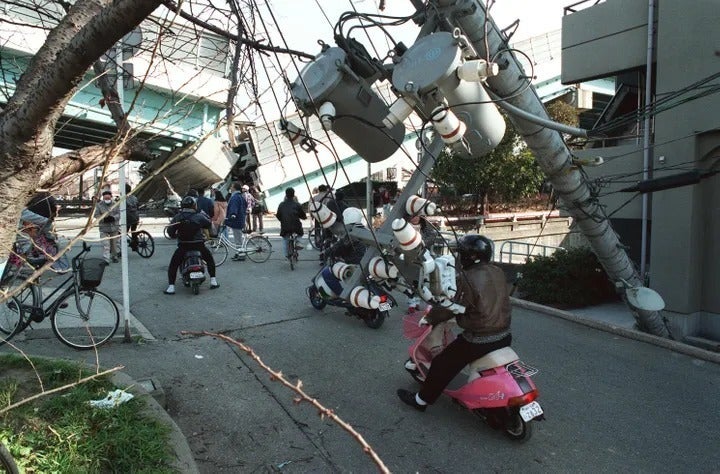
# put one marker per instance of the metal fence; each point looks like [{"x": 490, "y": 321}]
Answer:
[{"x": 519, "y": 252}]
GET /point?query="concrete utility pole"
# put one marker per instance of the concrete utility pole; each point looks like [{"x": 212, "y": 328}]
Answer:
[{"x": 551, "y": 152}]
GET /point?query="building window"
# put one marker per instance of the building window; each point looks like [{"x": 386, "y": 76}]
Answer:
[{"x": 391, "y": 174}]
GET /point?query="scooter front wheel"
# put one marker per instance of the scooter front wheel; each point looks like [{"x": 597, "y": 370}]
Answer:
[
  {"x": 375, "y": 319},
  {"x": 316, "y": 299}
]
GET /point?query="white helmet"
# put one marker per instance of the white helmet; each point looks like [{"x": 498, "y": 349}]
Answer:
[{"x": 352, "y": 216}]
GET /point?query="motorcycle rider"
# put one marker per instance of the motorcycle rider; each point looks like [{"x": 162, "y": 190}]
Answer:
[
  {"x": 483, "y": 291},
  {"x": 187, "y": 226}
]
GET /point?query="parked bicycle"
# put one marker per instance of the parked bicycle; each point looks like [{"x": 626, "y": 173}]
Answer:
[
  {"x": 81, "y": 316},
  {"x": 257, "y": 248},
  {"x": 144, "y": 244}
]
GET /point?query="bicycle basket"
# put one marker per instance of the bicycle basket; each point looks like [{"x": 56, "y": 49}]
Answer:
[{"x": 91, "y": 272}]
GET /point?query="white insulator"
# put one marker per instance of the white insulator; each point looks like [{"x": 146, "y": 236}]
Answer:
[
  {"x": 322, "y": 214},
  {"x": 428, "y": 263},
  {"x": 445, "y": 271},
  {"x": 425, "y": 293},
  {"x": 379, "y": 268},
  {"x": 407, "y": 236},
  {"x": 327, "y": 115},
  {"x": 450, "y": 128},
  {"x": 399, "y": 111},
  {"x": 477, "y": 70},
  {"x": 415, "y": 205},
  {"x": 361, "y": 298},
  {"x": 342, "y": 270}
]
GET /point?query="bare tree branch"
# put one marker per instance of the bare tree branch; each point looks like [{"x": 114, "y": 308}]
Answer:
[
  {"x": 253, "y": 44},
  {"x": 303, "y": 397}
]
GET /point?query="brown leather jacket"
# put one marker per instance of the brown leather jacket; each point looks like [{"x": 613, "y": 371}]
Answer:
[{"x": 483, "y": 290}]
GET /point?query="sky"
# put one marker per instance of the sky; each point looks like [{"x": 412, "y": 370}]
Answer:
[{"x": 304, "y": 22}]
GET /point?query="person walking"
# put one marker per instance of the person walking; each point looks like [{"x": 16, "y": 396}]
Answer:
[
  {"x": 132, "y": 216},
  {"x": 109, "y": 226},
  {"x": 204, "y": 203},
  {"x": 219, "y": 211},
  {"x": 257, "y": 210},
  {"x": 289, "y": 213},
  {"x": 250, "y": 202},
  {"x": 236, "y": 216}
]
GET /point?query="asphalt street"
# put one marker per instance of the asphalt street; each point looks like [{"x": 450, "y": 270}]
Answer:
[{"x": 613, "y": 404}]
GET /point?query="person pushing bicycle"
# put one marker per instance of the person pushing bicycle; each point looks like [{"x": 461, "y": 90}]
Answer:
[{"x": 187, "y": 226}]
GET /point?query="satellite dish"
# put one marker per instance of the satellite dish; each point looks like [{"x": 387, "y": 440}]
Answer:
[{"x": 645, "y": 299}]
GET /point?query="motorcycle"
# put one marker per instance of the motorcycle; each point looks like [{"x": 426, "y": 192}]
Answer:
[
  {"x": 497, "y": 388},
  {"x": 326, "y": 289},
  {"x": 192, "y": 270}
]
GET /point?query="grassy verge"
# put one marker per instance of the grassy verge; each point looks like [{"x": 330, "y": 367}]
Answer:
[{"x": 63, "y": 433}]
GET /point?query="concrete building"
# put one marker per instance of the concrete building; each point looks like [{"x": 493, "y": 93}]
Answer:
[{"x": 611, "y": 39}]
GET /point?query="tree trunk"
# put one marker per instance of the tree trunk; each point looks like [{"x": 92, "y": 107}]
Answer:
[{"x": 27, "y": 124}]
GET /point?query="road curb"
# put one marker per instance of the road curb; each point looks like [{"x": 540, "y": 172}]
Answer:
[
  {"x": 184, "y": 460},
  {"x": 675, "y": 346}
]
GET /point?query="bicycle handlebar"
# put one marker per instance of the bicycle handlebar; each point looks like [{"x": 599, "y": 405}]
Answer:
[{"x": 76, "y": 258}]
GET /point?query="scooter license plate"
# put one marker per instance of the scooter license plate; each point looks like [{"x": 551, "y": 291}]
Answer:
[
  {"x": 196, "y": 275},
  {"x": 385, "y": 306},
  {"x": 530, "y": 411}
]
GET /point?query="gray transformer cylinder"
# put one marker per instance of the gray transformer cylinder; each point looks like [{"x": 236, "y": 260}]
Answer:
[
  {"x": 431, "y": 64},
  {"x": 359, "y": 110}
]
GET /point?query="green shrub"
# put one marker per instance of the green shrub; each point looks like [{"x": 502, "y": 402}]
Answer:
[{"x": 569, "y": 279}]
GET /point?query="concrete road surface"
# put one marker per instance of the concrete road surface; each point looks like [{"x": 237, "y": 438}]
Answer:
[{"x": 612, "y": 404}]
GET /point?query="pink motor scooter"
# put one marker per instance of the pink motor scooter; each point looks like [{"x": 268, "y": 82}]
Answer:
[{"x": 497, "y": 387}]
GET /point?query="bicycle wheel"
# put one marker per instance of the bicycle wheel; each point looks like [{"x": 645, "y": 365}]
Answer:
[
  {"x": 258, "y": 248},
  {"x": 145, "y": 244},
  {"x": 11, "y": 319},
  {"x": 315, "y": 239},
  {"x": 293, "y": 253},
  {"x": 15, "y": 311},
  {"x": 7, "y": 462},
  {"x": 218, "y": 249},
  {"x": 166, "y": 232},
  {"x": 87, "y": 322}
]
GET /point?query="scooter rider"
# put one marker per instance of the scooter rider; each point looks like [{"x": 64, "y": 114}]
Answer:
[
  {"x": 187, "y": 227},
  {"x": 484, "y": 292}
]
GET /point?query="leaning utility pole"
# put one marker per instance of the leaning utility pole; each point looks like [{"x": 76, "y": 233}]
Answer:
[{"x": 551, "y": 152}]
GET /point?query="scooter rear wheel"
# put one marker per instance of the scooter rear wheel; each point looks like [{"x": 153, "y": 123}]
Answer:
[
  {"x": 516, "y": 428},
  {"x": 375, "y": 319},
  {"x": 195, "y": 288}
]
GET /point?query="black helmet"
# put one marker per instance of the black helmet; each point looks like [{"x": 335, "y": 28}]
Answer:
[
  {"x": 188, "y": 202},
  {"x": 474, "y": 248}
]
